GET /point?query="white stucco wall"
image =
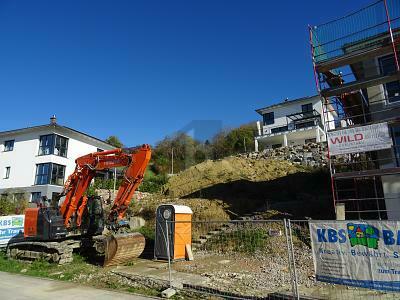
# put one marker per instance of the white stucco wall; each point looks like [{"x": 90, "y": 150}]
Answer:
[{"x": 24, "y": 158}]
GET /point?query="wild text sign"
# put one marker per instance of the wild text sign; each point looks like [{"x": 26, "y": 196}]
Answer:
[{"x": 359, "y": 139}]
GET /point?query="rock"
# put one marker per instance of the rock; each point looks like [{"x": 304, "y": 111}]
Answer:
[
  {"x": 136, "y": 222},
  {"x": 168, "y": 293},
  {"x": 24, "y": 271}
]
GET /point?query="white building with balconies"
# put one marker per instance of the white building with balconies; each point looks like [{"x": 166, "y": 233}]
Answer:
[
  {"x": 292, "y": 122},
  {"x": 37, "y": 160}
]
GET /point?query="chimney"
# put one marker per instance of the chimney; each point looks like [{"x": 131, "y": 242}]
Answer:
[{"x": 53, "y": 120}]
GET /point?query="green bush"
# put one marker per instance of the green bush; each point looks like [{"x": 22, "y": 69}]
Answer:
[
  {"x": 153, "y": 183},
  {"x": 13, "y": 201}
]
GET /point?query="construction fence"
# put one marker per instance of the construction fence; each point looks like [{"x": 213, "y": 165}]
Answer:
[{"x": 251, "y": 259}]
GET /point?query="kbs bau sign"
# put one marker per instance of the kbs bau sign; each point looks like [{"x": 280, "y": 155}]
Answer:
[
  {"x": 357, "y": 253},
  {"x": 359, "y": 139}
]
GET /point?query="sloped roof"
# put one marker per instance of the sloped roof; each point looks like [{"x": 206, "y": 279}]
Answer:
[
  {"x": 51, "y": 127},
  {"x": 286, "y": 102}
]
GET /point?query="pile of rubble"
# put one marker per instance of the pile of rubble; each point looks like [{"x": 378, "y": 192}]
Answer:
[{"x": 311, "y": 154}]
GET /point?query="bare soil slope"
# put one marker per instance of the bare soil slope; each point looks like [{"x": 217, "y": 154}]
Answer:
[{"x": 230, "y": 169}]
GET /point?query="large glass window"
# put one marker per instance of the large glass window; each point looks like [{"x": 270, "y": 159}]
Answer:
[
  {"x": 46, "y": 144},
  {"x": 61, "y": 146},
  {"x": 53, "y": 144},
  {"x": 9, "y": 145},
  {"x": 50, "y": 173},
  {"x": 268, "y": 118},
  {"x": 57, "y": 174},
  {"x": 387, "y": 65},
  {"x": 43, "y": 173}
]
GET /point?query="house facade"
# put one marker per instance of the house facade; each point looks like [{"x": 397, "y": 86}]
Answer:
[
  {"x": 37, "y": 160},
  {"x": 292, "y": 122}
]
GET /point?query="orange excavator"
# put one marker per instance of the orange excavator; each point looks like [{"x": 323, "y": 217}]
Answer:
[{"x": 52, "y": 233}]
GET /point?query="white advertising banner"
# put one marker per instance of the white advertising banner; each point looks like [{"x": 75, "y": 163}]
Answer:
[
  {"x": 10, "y": 226},
  {"x": 357, "y": 253},
  {"x": 359, "y": 139}
]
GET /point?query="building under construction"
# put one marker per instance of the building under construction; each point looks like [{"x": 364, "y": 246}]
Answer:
[{"x": 356, "y": 68}]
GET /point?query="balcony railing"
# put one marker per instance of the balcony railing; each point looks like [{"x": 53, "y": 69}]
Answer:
[{"x": 295, "y": 122}]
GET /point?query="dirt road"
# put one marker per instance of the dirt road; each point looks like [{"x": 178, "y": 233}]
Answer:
[{"x": 23, "y": 287}]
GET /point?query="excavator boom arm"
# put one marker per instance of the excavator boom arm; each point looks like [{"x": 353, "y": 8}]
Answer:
[{"x": 86, "y": 166}]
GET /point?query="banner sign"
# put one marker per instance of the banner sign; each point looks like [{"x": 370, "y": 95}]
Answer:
[
  {"x": 357, "y": 253},
  {"x": 9, "y": 227},
  {"x": 359, "y": 139}
]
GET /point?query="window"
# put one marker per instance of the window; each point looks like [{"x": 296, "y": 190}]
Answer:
[
  {"x": 36, "y": 197},
  {"x": 7, "y": 172},
  {"x": 99, "y": 150},
  {"x": 19, "y": 196},
  {"x": 49, "y": 173},
  {"x": 9, "y": 145},
  {"x": 387, "y": 66},
  {"x": 46, "y": 144},
  {"x": 57, "y": 174},
  {"x": 268, "y": 118},
  {"x": 307, "y": 108},
  {"x": 61, "y": 146},
  {"x": 279, "y": 129},
  {"x": 53, "y": 144},
  {"x": 305, "y": 124},
  {"x": 42, "y": 174},
  {"x": 314, "y": 140},
  {"x": 396, "y": 143}
]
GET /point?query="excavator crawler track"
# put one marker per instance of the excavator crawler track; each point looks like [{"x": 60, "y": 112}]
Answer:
[{"x": 55, "y": 252}]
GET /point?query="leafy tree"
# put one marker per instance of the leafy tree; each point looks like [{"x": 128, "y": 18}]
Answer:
[
  {"x": 115, "y": 141},
  {"x": 241, "y": 139},
  {"x": 181, "y": 147}
]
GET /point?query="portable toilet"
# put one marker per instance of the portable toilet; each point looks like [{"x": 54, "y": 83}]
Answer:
[{"x": 179, "y": 224}]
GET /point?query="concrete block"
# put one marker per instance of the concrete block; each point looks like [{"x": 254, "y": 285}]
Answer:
[
  {"x": 168, "y": 293},
  {"x": 189, "y": 253}
]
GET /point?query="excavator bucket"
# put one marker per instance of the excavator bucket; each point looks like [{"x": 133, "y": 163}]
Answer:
[{"x": 122, "y": 248}]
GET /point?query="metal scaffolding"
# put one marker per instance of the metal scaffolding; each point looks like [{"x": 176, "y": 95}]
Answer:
[{"x": 357, "y": 74}]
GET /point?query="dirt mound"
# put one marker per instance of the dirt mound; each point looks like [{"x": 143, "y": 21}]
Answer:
[{"x": 211, "y": 173}]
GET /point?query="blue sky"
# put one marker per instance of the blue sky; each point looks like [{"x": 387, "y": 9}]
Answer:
[{"x": 142, "y": 70}]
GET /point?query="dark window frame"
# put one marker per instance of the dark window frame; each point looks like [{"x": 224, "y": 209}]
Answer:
[
  {"x": 51, "y": 176},
  {"x": 270, "y": 119},
  {"x": 61, "y": 145},
  {"x": 36, "y": 199},
  {"x": 53, "y": 144},
  {"x": 56, "y": 178},
  {"x": 393, "y": 86},
  {"x": 280, "y": 129},
  {"x": 42, "y": 173},
  {"x": 8, "y": 148},
  {"x": 7, "y": 173}
]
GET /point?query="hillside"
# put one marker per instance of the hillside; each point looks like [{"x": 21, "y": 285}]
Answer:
[
  {"x": 247, "y": 185},
  {"x": 211, "y": 173}
]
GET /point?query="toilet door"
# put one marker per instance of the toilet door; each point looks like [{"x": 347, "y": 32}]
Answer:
[{"x": 164, "y": 213}]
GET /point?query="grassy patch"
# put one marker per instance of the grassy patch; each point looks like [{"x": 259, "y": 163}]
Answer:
[{"x": 240, "y": 240}]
